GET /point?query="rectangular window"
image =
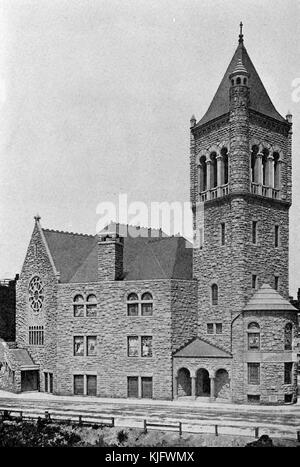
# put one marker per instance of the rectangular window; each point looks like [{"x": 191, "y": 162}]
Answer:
[
  {"x": 253, "y": 341},
  {"x": 147, "y": 309},
  {"x": 91, "y": 310},
  {"x": 91, "y": 345},
  {"x": 78, "y": 310},
  {"x": 133, "y": 386},
  {"x": 36, "y": 335},
  {"x": 146, "y": 346},
  {"x": 78, "y": 346},
  {"x": 210, "y": 328},
  {"x": 288, "y": 369},
  {"x": 51, "y": 382},
  {"x": 276, "y": 239},
  {"x": 146, "y": 383},
  {"x": 254, "y": 281},
  {"x": 132, "y": 309},
  {"x": 91, "y": 385},
  {"x": 223, "y": 233},
  {"x": 219, "y": 329},
  {"x": 276, "y": 282},
  {"x": 46, "y": 381},
  {"x": 253, "y": 373},
  {"x": 132, "y": 346},
  {"x": 254, "y": 232},
  {"x": 288, "y": 398},
  {"x": 79, "y": 385}
]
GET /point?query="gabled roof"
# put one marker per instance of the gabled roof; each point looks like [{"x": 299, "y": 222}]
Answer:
[
  {"x": 22, "y": 359},
  {"x": 259, "y": 98},
  {"x": 200, "y": 348},
  {"x": 267, "y": 298},
  {"x": 75, "y": 257}
]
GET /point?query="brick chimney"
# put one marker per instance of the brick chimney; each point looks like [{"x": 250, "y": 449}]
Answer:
[{"x": 110, "y": 256}]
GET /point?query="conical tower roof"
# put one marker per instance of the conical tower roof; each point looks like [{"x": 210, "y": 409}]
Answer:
[
  {"x": 267, "y": 298},
  {"x": 259, "y": 99}
]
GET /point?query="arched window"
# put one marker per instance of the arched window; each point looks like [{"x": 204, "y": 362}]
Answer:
[
  {"x": 238, "y": 81},
  {"x": 214, "y": 171},
  {"x": 91, "y": 306},
  {"x": 224, "y": 153},
  {"x": 253, "y": 336},
  {"x": 147, "y": 304},
  {"x": 132, "y": 305},
  {"x": 254, "y": 175},
  {"x": 276, "y": 170},
  {"x": 202, "y": 174},
  {"x": 214, "y": 294},
  {"x": 78, "y": 305},
  {"x": 288, "y": 336}
]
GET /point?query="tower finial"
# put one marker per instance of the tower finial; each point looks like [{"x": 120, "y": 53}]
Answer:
[{"x": 241, "y": 36}]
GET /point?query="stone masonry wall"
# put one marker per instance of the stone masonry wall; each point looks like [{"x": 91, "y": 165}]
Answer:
[{"x": 184, "y": 312}]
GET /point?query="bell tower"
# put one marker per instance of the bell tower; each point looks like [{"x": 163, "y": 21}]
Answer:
[{"x": 240, "y": 169}]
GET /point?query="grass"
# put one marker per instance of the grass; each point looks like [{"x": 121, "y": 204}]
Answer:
[{"x": 43, "y": 434}]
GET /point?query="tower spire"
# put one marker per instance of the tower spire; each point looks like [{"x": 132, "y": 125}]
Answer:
[{"x": 241, "y": 36}]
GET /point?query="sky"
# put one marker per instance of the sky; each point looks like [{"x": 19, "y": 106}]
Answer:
[{"x": 96, "y": 98}]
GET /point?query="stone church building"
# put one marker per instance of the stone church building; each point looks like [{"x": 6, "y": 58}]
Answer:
[{"x": 112, "y": 315}]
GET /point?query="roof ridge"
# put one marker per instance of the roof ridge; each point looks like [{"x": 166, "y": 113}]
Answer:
[{"x": 69, "y": 233}]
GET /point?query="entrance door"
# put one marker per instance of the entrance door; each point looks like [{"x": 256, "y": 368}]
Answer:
[
  {"x": 133, "y": 386},
  {"x": 29, "y": 380},
  {"x": 147, "y": 387},
  {"x": 202, "y": 383},
  {"x": 91, "y": 385}
]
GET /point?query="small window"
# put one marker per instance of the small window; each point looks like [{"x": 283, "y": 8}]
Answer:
[
  {"x": 288, "y": 370},
  {"x": 276, "y": 234},
  {"x": 132, "y": 305},
  {"x": 276, "y": 282},
  {"x": 288, "y": 398},
  {"x": 253, "y": 398},
  {"x": 223, "y": 233},
  {"x": 254, "y": 281},
  {"x": 91, "y": 385},
  {"x": 146, "y": 387},
  {"x": 91, "y": 345},
  {"x": 219, "y": 329},
  {"x": 78, "y": 306},
  {"x": 146, "y": 346},
  {"x": 133, "y": 346},
  {"x": 288, "y": 336},
  {"x": 253, "y": 337},
  {"x": 238, "y": 81},
  {"x": 245, "y": 80},
  {"x": 133, "y": 386},
  {"x": 78, "y": 346},
  {"x": 253, "y": 373},
  {"x": 214, "y": 294},
  {"x": 254, "y": 232},
  {"x": 147, "y": 304},
  {"x": 210, "y": 328},
  {"x": 79, "y": 385},
  {"x": 91, "y": 307}
]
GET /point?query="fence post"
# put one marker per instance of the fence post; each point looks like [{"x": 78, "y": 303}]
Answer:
[
  {"x": 21, "y": 415},
  {"x": 80, "y": 420},
  {"x": 112, "y": 421},
  {"x": 47, "y": 416},
  {"x": 216, "y": 430},
  {"x": 145, "y": 426},
  {"x": 256, "y": 432},
  {"x": 180, "y": 429},
  {"x": 298, "y": 436}
]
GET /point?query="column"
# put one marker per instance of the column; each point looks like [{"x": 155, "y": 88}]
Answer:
[
  {"x": 208, "y": 180},
  {"x": 175, "y": 388},
  {"x": 258, "y": 172},
  {"x": 220, "y": 174},
  {"x": 193, "y": 379},
  {"x": 270, "y": 170},
  {"x": 212, "y": 389}
]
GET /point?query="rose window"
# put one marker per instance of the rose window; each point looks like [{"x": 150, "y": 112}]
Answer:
[{"x": 36, "y": 294}]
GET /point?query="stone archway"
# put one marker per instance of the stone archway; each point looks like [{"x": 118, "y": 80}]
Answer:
[
  {"x": 222, "y": 384},
  {"x": 184, "y": 382},
  {"x": 202, "y": 383}
]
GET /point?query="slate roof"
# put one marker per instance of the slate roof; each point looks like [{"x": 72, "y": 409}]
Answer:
[
  {"x": 267, "y": 298},
  {"x": 22, "y": 358},
  {"x": 75, "y": 257},
  {"x": 200, "y": 348},
  {"x": 259, "y": 99}
]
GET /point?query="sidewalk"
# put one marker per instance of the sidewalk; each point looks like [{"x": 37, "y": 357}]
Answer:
[{"x": 88, "y": 400}]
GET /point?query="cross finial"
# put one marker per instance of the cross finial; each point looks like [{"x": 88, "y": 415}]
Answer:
[
  {"x": 241, "y": 33},
  {"x": 37, "y": 217}
]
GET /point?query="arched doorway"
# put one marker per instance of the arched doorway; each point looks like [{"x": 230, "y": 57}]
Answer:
[
  {"x": 202, "y": 383},
  {"x": 222, "y": 384},
  {"x": 184, "y": 382}
]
